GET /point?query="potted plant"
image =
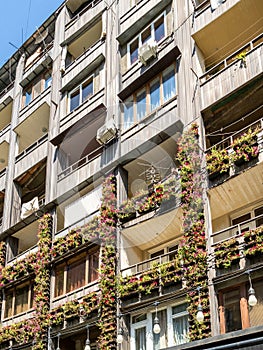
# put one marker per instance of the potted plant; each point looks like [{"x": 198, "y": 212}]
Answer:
[{"x": 217, "y": 162}]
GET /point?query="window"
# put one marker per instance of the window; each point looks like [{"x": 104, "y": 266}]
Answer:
[
  {"x": 76, "y": 273},
  {"x": 155, "y": 31},
  {"x": 33, "y": 90},
  {"x": 150, "y": 97},
  {"x": 180, "y": 324},
  {"x": 18, "y": 300},
  {"x": 80, "y": 94},
  {"x": 173, "y": 324},
  {"x": 234, "y": 311}
]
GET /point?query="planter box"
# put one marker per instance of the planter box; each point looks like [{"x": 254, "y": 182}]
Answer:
[
  {"x": 131, "y": 298},
  {"x": 221, "y": 270}
]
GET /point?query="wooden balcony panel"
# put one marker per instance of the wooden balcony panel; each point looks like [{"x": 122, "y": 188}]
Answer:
[
  {"x": 83, "y": 19},
  {"x": 231, "y": 78},
  {"x": 204, "y": 14},
  {"x": 31, "y": 156}
]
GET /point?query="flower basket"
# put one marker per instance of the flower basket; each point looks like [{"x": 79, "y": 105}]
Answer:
[
  {"x": 245, "y": 148},
  {"x": 217, "y": 162}
]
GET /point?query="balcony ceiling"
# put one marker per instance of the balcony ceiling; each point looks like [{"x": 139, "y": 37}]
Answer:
[
  {"x": 155, "y": 231},
  {"x": 73, "y": 5},
  {"x": 27, "y": 236},
  {"x": 236, "y": 26},
  {"x": 4, "y": 148},
  {"x": 238, "y": 192},
  {"x": 33, "y": 127}
]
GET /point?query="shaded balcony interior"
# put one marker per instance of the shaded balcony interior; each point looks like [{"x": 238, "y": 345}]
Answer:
[
  {"x": 84, "y": 41},
  {"x": 5, "y": 114},
  {"x": 79, "y": 208},
  {"x": 33, "y": 128},
  {"x": 31, "y": 187},
  {"x": 76, "y": 6},
  {"x": 145, "y": 233},
  {"x": 236, "y": 29},
  {"x": 77, "y": 339},
  {"x": 79, "y": 145},
  {"x": 22, "y": 241},
  {"x": 4, "y": 151},
  {"x": 233, "y": 113}
]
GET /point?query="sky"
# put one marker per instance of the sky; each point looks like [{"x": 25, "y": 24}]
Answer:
[{"x": 19, "y": 19}]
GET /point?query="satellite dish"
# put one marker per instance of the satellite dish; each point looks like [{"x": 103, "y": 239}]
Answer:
[{"x": 41, "y": 36}]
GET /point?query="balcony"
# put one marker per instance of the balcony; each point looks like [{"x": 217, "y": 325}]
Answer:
[
  {"x": 2, "y": 179},
  {"x": 84, "y": 64},
  {"x": 83, "y": 19},
  {"x": 133, "y": 20},
  {"x": 232, "y": 74},
  {"x": 205, "y": 14},
  {"x": 231, "y": 20},
  {"x": 31, "y": 155},
  {"x": 238, "y": 247},
  {"x": 151, "y": 278},
  {"x": 4, "y": 152}
]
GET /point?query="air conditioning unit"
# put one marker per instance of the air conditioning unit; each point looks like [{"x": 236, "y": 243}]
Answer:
[
  {"x": 29, "y": 207},
  {"x": 107, "y": 132},
  {"x": 147, "y": 51}
]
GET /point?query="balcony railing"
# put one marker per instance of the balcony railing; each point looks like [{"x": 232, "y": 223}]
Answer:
[
  {"x": 238, "y": 246},
  {"x": 76, "y": 225},
  {"x": 83, "y": 161},
  {"x": 201, "y": 7},
  {"x": 245, "y": 50},
  {"x": 226, "y": 142},
  {"x": 9, "y": 87},
  {"x": 32, "y": 147},
  {"x": 1, "y": 223},
  {"x": 78, "y": 15},
  {"x": 137, "y": 269}
]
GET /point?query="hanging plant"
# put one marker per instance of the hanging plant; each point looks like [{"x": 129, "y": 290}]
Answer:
[{"x": 217, "y": 162}]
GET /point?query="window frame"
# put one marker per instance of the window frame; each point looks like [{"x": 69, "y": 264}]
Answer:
[
  {"x": 64, "y": 268},
  {"x": 30, "y": 88},
  {"x": 152, "y": 36},
  {"x": 132, "y": 99},
  {"x": 80, "y": 88},
  {"x": 13, "y": 293},
  {"x": 148, "y": 324}
]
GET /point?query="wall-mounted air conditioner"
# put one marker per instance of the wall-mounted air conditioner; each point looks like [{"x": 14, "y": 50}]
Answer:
[
  {"x": 107, "y": 132},
  {"x": 29, "y": 207},
  {"x": 147, "y": 51}
]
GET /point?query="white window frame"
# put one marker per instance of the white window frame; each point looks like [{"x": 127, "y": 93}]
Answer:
[
  {"x": 91, "y": 77},
  {"x": 148, "y": 323},
  {"x": 139, "y": 37},
  {"x": 250, "y": 210}
]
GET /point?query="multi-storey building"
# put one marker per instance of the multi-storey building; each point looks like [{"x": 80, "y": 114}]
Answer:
[{"x": 163, "y": 99}]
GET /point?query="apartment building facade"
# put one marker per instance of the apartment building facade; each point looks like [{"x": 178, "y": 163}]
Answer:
[{"x": 131, "y": 186}]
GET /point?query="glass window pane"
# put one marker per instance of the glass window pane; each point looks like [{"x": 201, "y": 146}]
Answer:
[
  {"x": 141, "y": 105},
  {"x": 128, "y": 114},
  {"x": 232, "y": 310},
  {"x": 59, "y": 281},
  {"x": 21, "y": 299},
  {"x": 256, "y": 312},
  {"x": 168, "y": 84},
  {"x": 74, "y": 100},
  {"x": 134, "y": 51},
  {"x": 140, "y": 338},
  {"x": 48, "y": 80},
  {"x": 259, "y": 211},
  {"x": 160, "y": 340},
  {"x": 180, "y": 330},
  {"x": 93, "y": 266},
  {"x": 76, "y": 275},
  {"x": 155, "y": 94},
  {"x": 159, "y": 29},
  {"x": 28, "y": 96},
  {"x": 8, "y": 304},
  {"x": 87, "y": 90},
  {"x": 146, "y": 35}
]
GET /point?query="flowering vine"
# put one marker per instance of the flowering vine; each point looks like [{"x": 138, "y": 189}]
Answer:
[
  {"x": 193, "y": 246},
  {"x": 107, "y": 281}
]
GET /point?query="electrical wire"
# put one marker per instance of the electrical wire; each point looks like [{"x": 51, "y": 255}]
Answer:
[{"x": 28, "y": 15}]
